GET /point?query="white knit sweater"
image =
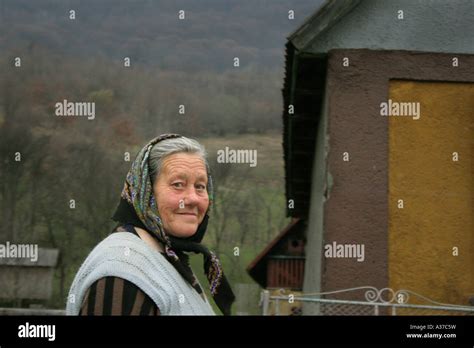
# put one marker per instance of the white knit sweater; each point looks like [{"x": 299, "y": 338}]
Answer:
[{"x": 125, "y": 255}]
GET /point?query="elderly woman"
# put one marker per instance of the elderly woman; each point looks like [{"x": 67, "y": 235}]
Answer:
[{"x": 142, "y": 267}]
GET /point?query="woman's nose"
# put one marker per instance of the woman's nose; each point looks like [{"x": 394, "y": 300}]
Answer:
[{"x": 192, "y": 197}]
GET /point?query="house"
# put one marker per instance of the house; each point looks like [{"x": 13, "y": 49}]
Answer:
[
  {"x": 25, "y": 280},
  {"x": 378, "y": 127},
  {"x": 280, "y": 266}
]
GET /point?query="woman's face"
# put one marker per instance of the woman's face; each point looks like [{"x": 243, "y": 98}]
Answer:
[{"x": 181, "y": 193}]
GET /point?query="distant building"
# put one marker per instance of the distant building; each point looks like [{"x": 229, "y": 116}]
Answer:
[
  {"x": 378, "y": 146},
  {"x": 23, "y": 279},
  {"x": 280, "y": 266}
]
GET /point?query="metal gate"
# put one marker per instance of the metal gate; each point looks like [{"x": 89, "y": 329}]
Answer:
[{"x": 365, "y": 300}]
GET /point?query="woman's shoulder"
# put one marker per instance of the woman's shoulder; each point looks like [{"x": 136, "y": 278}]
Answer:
[
  {"x": 125, "y": 249},
  {"x": 118, "y": 248},
  {"x": 118, "y": 238},
  {"x": 126, "y": 256},
  {"x": 144, "y": 235}
]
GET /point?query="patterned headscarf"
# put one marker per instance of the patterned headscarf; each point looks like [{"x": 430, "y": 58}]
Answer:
[{"x": 138, "y": 192}]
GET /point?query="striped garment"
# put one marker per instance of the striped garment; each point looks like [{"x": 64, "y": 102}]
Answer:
[{"x": 117, "y": 296}]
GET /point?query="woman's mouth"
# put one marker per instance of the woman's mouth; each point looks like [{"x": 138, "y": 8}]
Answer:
[{"x": 188, "y": 214}]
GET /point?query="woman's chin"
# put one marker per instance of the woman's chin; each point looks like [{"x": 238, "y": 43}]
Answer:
[{"x": 184, "y": 231}]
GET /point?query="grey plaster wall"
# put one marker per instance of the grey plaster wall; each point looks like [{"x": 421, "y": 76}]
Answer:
[{"x": 428, "y": 25}]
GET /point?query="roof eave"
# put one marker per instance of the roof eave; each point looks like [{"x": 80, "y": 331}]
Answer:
[{"x": 323, "y": 19}]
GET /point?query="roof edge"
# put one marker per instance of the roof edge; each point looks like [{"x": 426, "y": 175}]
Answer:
[{"x": 323, "y": 19}]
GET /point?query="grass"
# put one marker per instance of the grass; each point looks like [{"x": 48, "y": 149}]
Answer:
[{"x": 269, "y": 169}]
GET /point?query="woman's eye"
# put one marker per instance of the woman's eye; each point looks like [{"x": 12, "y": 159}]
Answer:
[
  {"x": 177, "y": 184},
  {"x": 201, "y": 187}
]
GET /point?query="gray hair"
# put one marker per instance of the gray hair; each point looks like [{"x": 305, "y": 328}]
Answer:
[{"x": 172, "y": 146}]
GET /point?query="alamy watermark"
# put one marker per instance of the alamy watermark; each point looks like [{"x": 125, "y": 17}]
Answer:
[
  {"x": 237, "y": 156},
  {"x": 28, "y": 330},
  {"x": 391, "y": 108},
  {"x": 84, "y": 109},
  {"x": 19, "y": 251},
  {"x": 347, "y": 251}
]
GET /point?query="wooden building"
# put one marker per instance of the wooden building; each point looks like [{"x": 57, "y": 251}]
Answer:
[{"x": 280, "y": 266}]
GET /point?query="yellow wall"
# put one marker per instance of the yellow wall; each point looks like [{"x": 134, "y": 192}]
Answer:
[{"x": 436, "y": 191}]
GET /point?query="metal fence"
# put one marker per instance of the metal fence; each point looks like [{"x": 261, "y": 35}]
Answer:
[
  {"x": 31, "y": 311},
  {"x": 357, "y": 301}
]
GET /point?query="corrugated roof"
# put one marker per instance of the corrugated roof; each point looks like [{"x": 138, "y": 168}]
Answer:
[{"x": 303, "y": 88}]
